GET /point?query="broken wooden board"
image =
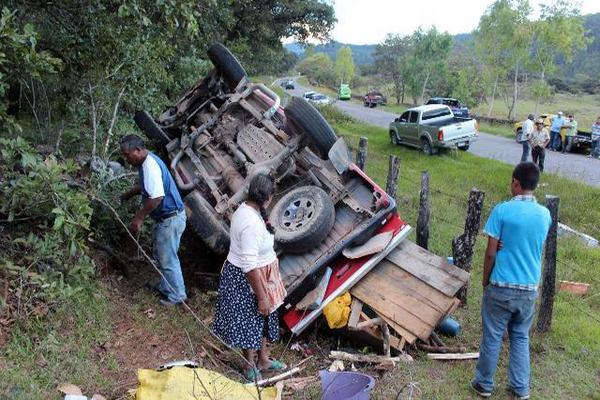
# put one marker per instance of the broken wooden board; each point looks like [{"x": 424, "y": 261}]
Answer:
[
  {"x": 412, "y": 290},
  {"x": 453, "y": 356},
  {"x": 429, "y": 268}
]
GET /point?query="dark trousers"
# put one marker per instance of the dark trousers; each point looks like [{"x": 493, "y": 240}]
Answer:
[
  {"x": 567, "y": 144},
  {"x": 538, "y": 154}
]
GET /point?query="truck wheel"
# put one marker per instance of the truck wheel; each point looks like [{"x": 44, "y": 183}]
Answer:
[
  {"x": 393, "y": 138},
  {"x": 518, "y": 134},
  {"x": 426, "y": 147},
  {"x": 150, "y": 128},
  {"x": 304, "y": 118},
  {"x": 206, "y": 223},
  {"x": 302, "y": 218},
  {"x": 464, "y": 148},
  {"x": 226, "y": 64}
]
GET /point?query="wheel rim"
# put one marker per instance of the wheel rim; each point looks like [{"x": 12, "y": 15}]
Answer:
[
  {"x": 393, "y": 139},
  {"x": 298, "y": 213},
  {"x": 426, "y": 147}
]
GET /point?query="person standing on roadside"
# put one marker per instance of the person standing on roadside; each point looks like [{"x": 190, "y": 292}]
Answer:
[
  {"x": 538, "y": 141},
  {"x": 570, "y": 133},
  {"x": 557, "y": 122},
  {"x": 511, "y": 274},
  {"x": 595, "y": 139},
  {"x": 161, "y": 202},
  {"x": 526, "y": 131}
]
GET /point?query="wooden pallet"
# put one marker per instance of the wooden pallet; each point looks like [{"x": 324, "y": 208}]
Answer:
[{"x": 412, "y": 290}]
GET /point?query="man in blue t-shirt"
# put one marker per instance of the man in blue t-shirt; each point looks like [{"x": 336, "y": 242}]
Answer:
[
  {"x": 557, "y": 123},
  {"x": 162, "y": 202},
  {"x": 516, "y": 233}
]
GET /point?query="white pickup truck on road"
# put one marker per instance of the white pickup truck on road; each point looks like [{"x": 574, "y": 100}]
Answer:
[{"x": 433, "y": 127}]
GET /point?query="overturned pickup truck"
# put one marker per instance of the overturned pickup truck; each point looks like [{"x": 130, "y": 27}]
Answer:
[{"x": 225, "y": 130}]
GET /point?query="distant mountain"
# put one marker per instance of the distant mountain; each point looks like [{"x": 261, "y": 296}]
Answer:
[{"x": 362, "y": 53}]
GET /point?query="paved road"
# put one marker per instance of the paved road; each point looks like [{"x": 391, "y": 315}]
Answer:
[{"x": 573, "y": 166}]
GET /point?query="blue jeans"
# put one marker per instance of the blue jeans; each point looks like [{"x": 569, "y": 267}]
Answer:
[
  {"x": 505, "y": 309},
  {"x": 596, "y": 148},
  {"x": 525, "y": 154},
  {"x": 166, "y": 237},
  {"x": 555, "y": 140}
]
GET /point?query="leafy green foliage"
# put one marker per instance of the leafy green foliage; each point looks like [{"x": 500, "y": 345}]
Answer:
[
  {"x": 51, "y": 217},
  {"x": 20, "y": 60},
  {"x": 344, "y": 65},
  {"x": 318, "y": 68}
]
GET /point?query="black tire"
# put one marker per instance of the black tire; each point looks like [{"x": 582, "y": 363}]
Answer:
[
  {"x": 226, "y": 63},
  {"x": 463, "y": 148},
  {"x": 518, "y": 134},
  {"x": 206, "y": 223},
  {"x": 151, "y": 129},
  {"x": 304, "y": 118},
  {"x": 302, "y": 218},
  {"x": 426, "y": 147},
  {"x": 394, "y": 139}
]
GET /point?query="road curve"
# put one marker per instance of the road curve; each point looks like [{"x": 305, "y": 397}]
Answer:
[{"x": 572, "y": 166}]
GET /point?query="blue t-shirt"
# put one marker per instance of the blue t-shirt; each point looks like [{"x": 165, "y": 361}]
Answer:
[
  {"x": 522, "y": 225},
  {"x": 171, "y": 200},
  {"x": 557, "y": 123}
]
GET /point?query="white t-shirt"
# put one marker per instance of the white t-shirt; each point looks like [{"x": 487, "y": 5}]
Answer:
[
  {"x": 153, "y": 183},
  {"x": 527, "y": 130},
  {"x": 251, "y": 243}
]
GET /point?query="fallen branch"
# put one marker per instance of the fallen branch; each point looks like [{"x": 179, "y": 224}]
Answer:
[
  {"x": 453, "y": 356},
  {"x": 441, "y": 349},
  {"x": 370, "y": 322},
  {"x": 276, "y": 378},
  {"x": 372, "y": 359}
]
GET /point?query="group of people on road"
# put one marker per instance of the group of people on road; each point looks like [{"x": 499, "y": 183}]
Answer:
[
  {"x": 250, "y": 286},
  {"x": 535, "y": 138}
]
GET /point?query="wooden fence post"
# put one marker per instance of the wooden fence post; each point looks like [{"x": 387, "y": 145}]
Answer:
[
  {"x": 361, "y": 154},
  {"x": 392, "y": 177},
  {"x": 423, "y": 219},
  {"x": 549, "y": 274},
  {"x": 462, "y": 245}
]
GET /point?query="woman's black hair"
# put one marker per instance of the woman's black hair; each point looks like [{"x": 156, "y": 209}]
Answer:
[{"x": 260, "y": 190}]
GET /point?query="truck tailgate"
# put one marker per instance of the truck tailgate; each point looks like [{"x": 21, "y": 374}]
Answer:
[{"x": 458, "y": 130}]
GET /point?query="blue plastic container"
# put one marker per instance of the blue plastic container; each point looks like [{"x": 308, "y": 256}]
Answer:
[
  {"x": 449, "y": 327},
  {"x": 345, "y": 385}
]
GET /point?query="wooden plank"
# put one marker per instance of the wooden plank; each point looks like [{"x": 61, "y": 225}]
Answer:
[
  {"x": 410, "y": 258},
  {"x": 395, "y": 342},
  {"x": 355, "y": 310},
  {"x": 435, "y": 261},
  {"x": 405, "y": 334},
  {"x": 453, "y": 356}
]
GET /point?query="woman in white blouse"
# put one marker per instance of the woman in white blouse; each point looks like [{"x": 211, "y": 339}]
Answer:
[{"x": 250, "y": 287}]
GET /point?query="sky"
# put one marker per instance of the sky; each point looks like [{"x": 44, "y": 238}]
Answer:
[{"x": 369, "y": 21}]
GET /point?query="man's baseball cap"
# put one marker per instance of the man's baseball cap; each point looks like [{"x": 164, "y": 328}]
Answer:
[
  {"x": 539, "y": 121},
  {"x": 560, "y": 113}
]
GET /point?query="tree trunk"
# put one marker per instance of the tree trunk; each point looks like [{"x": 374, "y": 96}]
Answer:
[
  {"x": 424, "y": 87},
  {"x": 402, "y": 92},
  {"x": 513, "y": 109},
  {"x": 537, "y": 99},
  {"x": 493, "y": 96}
]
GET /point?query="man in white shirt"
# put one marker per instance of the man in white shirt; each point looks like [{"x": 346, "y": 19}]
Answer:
[
  {"x": 162, "y": 202},
  {"x": 526, "y": 131},
  {"x": 538, "y": 140}
]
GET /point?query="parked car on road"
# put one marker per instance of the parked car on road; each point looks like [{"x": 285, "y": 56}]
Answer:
[
  {"x": 289, "y": 84},
  {"x": 344, "y": 92},
  {"x": 374, "y": 98},
  {"x": 225, "y": 130},
  {"x": 433, "y": 127},
  {"x": 319, "y": 99},
  {"x": 459, "y": 109},
  {"x": 308, "y": 95}
]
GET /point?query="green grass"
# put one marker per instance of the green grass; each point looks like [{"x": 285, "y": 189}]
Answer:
[
  {"x": 565, "y": 362},
  {"x": 498, "y": 130}
]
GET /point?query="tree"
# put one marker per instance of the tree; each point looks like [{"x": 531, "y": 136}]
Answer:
[
  {"x": 559, "y": 32},
  {"x": 318, "y": 68},
  {"x": 502, "y": 39},
  {"x": 430, "y": 51},
  {"x": 389, "y": 58},
  {"x": 344, "y": 65}
]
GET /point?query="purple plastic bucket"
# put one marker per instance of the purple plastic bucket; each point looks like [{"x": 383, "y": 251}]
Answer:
[{"x": 345, "y": 385}]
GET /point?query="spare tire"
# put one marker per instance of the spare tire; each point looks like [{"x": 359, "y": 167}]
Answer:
[
  {"x": 226, "y": 63},
  {"x": 206, "y": 223},
  {"x": 302, "y": 117},
  {"x": 152, "y": 130},
  {"x": 302, "y": 219}
]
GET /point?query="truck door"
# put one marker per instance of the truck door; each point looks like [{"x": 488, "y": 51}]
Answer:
[
  {"x": 401, "y": 123},
  {"x": 412, "y": 128}
]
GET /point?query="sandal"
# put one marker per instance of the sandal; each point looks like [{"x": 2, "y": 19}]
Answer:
[
  {"x": 276, "y": 365},
  {"x": 253, "y": 375}
]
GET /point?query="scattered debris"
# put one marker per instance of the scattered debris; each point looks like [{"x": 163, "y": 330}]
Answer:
[
  {"x": 578, "y": 288},
  {"x": 564, "y": 230},
  {"x": 368, "y": 358},
  {"x": 453, "y": 356},
  {"x": 374, "y": 245},
  {"x": 336, "y": 365},
  {"x": 69, "y": 389},
  {"x": 150, "y": 313}
]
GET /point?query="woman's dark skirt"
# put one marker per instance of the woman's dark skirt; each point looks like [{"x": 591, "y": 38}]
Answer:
[{"x": 237, "y": 320}]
